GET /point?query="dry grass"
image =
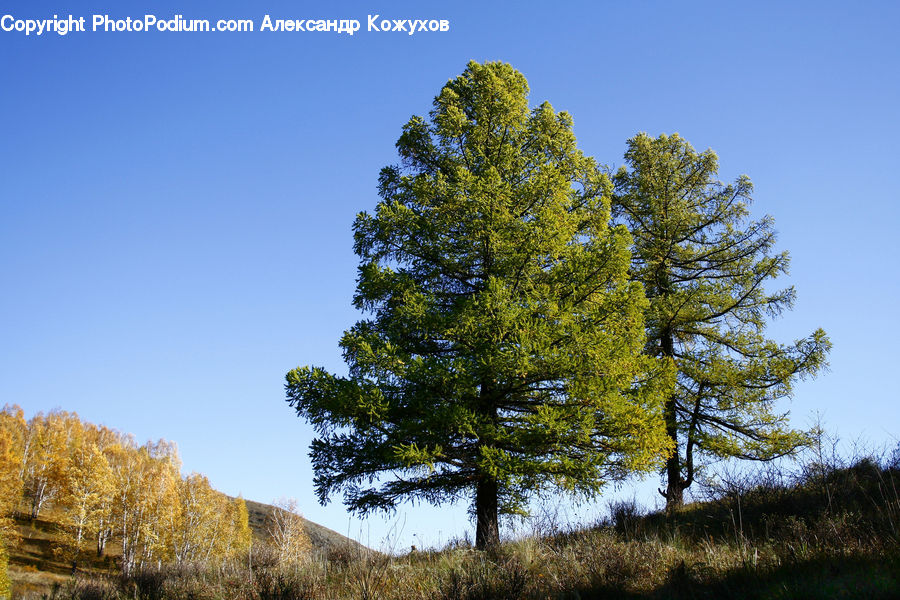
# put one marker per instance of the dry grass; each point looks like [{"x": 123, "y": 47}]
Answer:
[{"x": 827, "y": 531}]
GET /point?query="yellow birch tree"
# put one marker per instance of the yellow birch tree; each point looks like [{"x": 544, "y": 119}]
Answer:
[{"x": 287, "y": 533}]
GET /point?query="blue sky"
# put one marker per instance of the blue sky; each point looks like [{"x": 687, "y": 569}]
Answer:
[{"x": 175, "y": 209}]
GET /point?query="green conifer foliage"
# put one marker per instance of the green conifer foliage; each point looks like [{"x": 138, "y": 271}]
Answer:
[
  {"x": 502, "y": 355},
  {"x": 704, "y": 267}
]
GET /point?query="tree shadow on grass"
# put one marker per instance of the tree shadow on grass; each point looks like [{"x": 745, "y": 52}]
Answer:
[{"x": 873, "y": 578}]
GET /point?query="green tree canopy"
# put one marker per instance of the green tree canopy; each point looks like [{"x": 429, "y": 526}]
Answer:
[
  {"x": 704, "y": 268},
  {"x": 503, "y": 353}
]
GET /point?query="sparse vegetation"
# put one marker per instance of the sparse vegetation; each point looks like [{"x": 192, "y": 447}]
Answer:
[{"x": 828, "y": 530}]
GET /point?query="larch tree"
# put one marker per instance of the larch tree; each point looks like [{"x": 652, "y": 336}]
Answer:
[
  {"x": 503, "y": 353},
  {"x": 705, "y": 268}
]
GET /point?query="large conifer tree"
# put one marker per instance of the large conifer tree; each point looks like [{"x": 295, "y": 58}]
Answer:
[
  {"x": 705, "y": 268},
  {"x": 503, "y": 355}
]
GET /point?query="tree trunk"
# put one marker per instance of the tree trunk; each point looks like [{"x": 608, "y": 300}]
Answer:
[
  {"x": 102, "y": 536},
  {"x": 675, "y": 485},
  {"x": 487, "y": 526}
]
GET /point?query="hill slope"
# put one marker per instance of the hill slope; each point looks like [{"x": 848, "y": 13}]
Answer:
[
  {"x": 827, "y": 531},
  {"x": 35, "y": 567},
  {"x": 322, "y": 539}
]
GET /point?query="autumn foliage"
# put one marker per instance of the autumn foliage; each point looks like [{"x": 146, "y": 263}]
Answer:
[{"x": 105, "y": 490}]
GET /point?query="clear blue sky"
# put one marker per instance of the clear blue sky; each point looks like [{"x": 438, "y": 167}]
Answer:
[{"x": 175, "y": 209}]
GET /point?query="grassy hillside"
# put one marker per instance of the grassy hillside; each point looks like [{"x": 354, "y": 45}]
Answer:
[
  {"x": 35, "y": 564},
  {"x": 828, "y": 532},
  {"x": 323, "y": 540}
]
